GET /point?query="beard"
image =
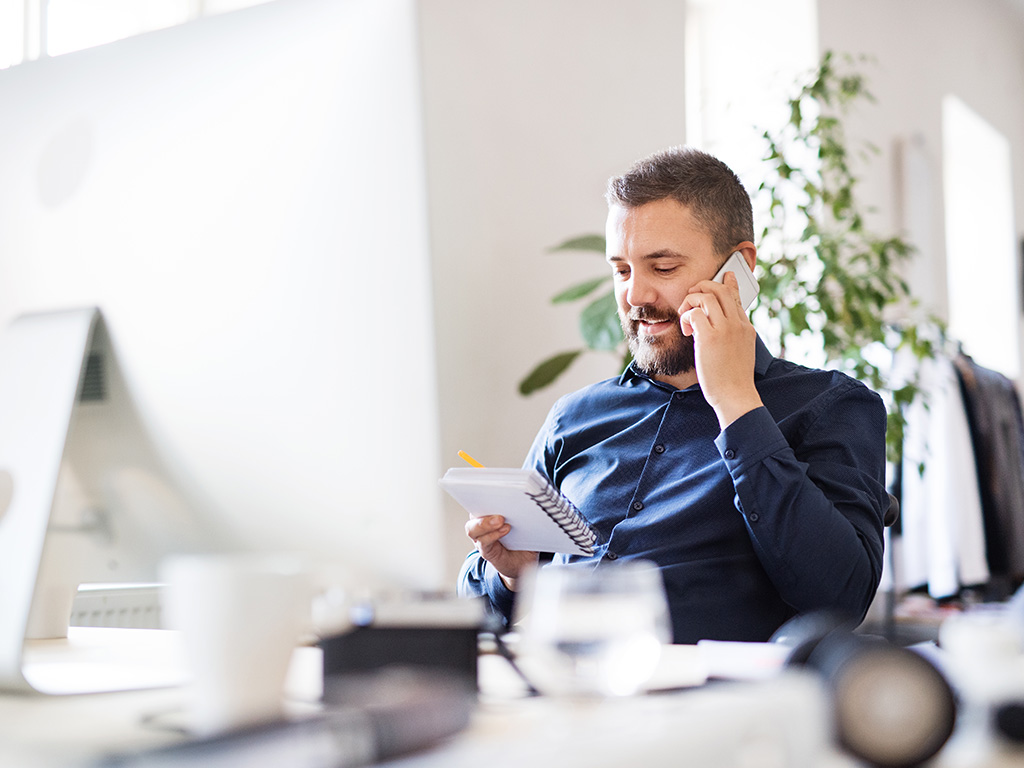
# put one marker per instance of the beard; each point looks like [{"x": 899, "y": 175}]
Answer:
[{"x": 668, "y": 354}]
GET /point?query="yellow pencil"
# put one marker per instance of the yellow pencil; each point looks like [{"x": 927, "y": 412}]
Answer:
[{"x": 470, "y": 460}]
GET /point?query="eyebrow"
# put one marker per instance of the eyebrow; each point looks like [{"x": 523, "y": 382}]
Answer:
[{"x": 662, "y": 254}]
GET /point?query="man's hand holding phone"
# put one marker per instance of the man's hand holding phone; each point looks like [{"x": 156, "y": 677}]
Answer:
[{"x": 714, "y": 313}]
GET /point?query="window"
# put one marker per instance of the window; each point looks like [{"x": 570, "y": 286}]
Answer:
[
  {"x": 12, "y": 32},
  {"x": 72, "y": 25},
  {"x": 981, "y": 258},
  {"x": 30, "y": 28}
]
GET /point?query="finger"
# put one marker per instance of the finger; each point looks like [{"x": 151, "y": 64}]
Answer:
[
  {"x": 727, "y": 295},
  {"x": 478, "y": 527},
  {"x": 693, "y": 300},
  {"x": 488, "y": 540},
  {"x": 492, "y": 551},
  {"x": 733, "y": 284},
  {"x": 489, "y": 550},
  {"x": 709, "y": 304},
  {"x": 691, "y": 318}
]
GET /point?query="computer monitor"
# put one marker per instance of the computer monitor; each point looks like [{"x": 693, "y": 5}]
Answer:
[{"x": 243, "y": 199}]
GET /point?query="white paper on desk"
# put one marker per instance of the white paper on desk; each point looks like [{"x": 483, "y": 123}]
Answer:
[
  {"x": 105, "y": 659},
  {"x": 679, "y": 666},
  {"x": 507, "y": 492},
  {"x": 731, "y": 660}
]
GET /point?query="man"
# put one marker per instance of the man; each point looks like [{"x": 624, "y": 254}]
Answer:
[{"x": 755, "y": 484}]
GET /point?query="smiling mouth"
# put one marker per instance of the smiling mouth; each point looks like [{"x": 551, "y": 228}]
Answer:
[{"x": 653, "y": 327}]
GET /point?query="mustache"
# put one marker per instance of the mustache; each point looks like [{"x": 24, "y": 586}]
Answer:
[{"x": 649, "y": 315}]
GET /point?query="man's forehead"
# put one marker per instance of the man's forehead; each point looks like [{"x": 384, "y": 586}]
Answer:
[
  {"x": 655, "y": 228},
  {"x": 664, "y": 212}
]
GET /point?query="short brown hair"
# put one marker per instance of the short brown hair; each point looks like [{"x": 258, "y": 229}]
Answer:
[{"x": 704, "y": 184}]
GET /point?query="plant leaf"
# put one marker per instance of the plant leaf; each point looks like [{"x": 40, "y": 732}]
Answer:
[
  {"x": 547, "y": 371},
  {"x": 582, "y": 243},
  {"x": 599, "y": 324},
  {"x": 580, "y": 290}
]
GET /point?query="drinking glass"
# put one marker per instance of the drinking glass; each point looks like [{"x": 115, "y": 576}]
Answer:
[{"x": 594, "y": 631}]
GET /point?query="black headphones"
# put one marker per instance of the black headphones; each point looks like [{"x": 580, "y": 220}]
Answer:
[{"x": 891, "y": 706}]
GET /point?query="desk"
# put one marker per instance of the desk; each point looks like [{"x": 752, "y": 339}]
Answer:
[
  {"x": 69, "y": 731},
  {"x": 781, "y": 723},
  {"x": 776, "y": 723}
]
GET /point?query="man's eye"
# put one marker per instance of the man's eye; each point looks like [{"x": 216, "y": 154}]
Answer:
[
  {"x": 621, "y": 274},
  {"x": 664, "y": 270}
]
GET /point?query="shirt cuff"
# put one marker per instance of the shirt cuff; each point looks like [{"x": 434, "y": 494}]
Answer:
[
  {"x": 501, "y": 596},
  {"x": 749, "y": 439}
]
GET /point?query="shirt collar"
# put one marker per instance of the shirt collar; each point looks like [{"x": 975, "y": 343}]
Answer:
[{"x": 762, "y": 359}]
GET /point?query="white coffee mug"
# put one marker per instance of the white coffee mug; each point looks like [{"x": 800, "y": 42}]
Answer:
[{"x": 241, "y": 617}]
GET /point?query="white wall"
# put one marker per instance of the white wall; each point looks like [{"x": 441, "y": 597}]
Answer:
[{"x": 529, "y": 107}]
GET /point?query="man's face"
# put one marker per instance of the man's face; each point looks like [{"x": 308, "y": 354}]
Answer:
[{"x": 657, "y": 252}]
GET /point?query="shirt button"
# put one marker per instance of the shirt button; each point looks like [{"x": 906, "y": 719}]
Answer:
[
  {"x": 679, "y": 395},
  {"x": 659, "y": 448},
  {"x": 754, "y": 517},
  {"x": 612, "y": 556},
  {"x": 730, "y": 454},
  {"x": 638, "y": 505}
]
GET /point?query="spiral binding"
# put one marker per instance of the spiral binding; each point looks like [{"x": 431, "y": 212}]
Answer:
[{"x": 567, "y": 516}]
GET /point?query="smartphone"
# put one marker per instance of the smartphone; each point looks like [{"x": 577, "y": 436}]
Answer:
[{"x": 748, "y": 283}]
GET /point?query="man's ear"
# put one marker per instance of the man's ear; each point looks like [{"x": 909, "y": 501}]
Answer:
[{"x": 749, "y": 251}]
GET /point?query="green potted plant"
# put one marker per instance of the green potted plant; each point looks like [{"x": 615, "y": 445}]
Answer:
[{"x": 826, "y": 281}]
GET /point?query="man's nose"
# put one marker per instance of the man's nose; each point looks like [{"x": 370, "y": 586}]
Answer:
[{"x": 639, "y": 292}]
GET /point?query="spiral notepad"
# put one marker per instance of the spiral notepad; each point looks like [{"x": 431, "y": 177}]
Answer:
[{"x": 542, "y": 519}]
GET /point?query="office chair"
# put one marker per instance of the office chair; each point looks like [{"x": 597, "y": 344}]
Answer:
[{"x": 892, "y": 514}]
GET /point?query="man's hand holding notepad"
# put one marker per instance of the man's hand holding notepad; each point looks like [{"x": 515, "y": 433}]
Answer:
[{"x": 541, "y": 519}]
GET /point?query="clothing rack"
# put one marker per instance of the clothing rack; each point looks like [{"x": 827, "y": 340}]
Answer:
[{"x": 962, "y": 526}]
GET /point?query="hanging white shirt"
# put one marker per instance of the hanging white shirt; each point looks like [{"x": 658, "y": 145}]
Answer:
[{"x": 942, "y": 523}]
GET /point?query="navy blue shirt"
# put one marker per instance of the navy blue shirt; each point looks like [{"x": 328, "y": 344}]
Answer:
[{"x": 780, "y": 513}]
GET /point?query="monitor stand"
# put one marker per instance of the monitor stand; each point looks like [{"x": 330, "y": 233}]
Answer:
[{"x": 43, "y": 359}]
